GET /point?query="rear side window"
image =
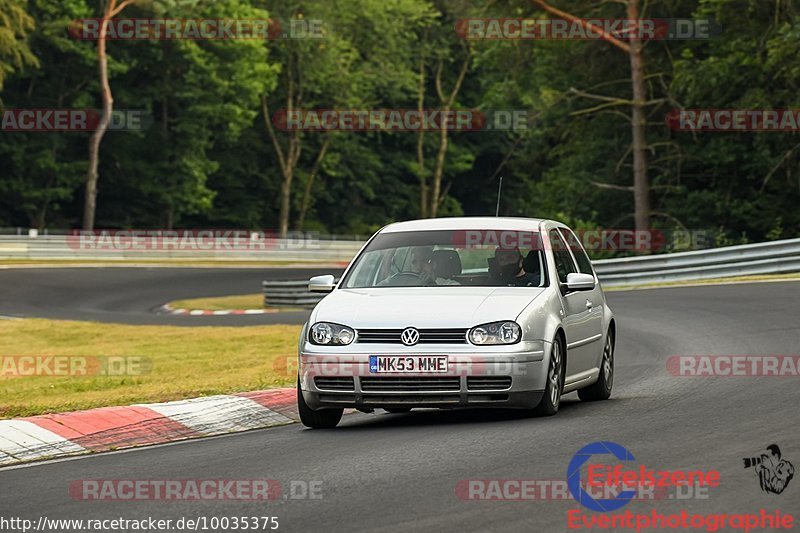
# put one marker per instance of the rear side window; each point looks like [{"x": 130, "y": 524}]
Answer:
[
  {"x": 584, "y": 265},
  {"x": 563, "y": 259}
]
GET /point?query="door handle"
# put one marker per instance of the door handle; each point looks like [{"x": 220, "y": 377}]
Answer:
[{"x": 589, "y": 304}]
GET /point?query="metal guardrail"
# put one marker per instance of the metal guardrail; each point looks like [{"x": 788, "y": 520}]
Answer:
[
  {"x": 191, "y": 248},
  {"x": 290, "y": 294},
  {"x": 777, "y": 257}
]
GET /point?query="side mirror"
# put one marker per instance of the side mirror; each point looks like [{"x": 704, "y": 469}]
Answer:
[
  {"x": 321, "y": 283},
  {"x": 580, "y": 282}
]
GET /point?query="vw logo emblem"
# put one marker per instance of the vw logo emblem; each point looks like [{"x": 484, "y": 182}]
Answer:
[{"x": 409, "y": 337}]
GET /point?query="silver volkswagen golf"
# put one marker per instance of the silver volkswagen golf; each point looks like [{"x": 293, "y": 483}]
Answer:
[{"x": 458, "y": 312}]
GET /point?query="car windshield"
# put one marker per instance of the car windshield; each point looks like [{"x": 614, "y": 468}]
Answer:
[{"x": 484, "y": 258}]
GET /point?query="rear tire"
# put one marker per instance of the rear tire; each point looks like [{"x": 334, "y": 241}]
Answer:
[
  {"x": 548, "y": 406},
  {"x": 322, "y": 419},
  {"x": 601, "y": 389}
]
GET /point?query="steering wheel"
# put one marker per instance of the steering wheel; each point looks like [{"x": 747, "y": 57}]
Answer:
[{"x": 403, "y": 279}]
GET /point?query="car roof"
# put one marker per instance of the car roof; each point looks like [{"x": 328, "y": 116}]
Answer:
[{"x": 467, "y": 223}]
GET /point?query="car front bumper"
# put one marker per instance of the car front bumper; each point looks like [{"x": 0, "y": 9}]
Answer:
[{"x": 503, "y": 377}]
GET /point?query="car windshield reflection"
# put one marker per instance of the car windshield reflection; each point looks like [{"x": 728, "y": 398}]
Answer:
[{"x": 451, "y": 258}]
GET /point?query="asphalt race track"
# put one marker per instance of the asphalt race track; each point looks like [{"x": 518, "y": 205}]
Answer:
[
  {"x": 130, "y": 295},
  {"x": 385, "y": 472}
]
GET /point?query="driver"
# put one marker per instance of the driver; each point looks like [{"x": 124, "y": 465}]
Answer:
[
  {"x": 511, "y": 273},
  {"x": 421, "y": 272},
  {"x": 424, "y": 265},
  {"x": 421, "y": 260}
]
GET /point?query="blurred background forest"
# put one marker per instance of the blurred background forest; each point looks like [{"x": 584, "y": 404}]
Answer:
[{"x": 209, "y": 160}]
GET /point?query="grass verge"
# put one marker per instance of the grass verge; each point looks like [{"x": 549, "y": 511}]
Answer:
[{"x": 179, "y": 363}]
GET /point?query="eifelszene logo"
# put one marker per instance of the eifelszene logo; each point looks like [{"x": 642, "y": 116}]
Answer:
[
  {"x": 624, "y": 478},
  {"x": 583, "y": 456},
  {"x": 774, "y": 473}
]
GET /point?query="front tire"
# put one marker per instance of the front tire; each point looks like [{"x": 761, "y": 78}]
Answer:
[
  {"x": 322, "y": 419},
  {"x": 548, "y": 406},
  {"x": 601, "y": 389}
]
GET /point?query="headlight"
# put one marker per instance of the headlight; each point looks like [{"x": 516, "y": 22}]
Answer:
[
  {"x": 496, "y": 333},
  {"x": 325, "y": 333}
]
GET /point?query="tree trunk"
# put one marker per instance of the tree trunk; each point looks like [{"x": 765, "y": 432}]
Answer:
[
  {"x": 293, "y": 154},
  {"x": 111, "y": 9},
  {"x": 423, "y": 179},
  {"x": 288, "y": 162},
  {"x": 438, "y": 171},
  {"x": 435, "y": 193},
  {"x": 286, "y": 193},
  {"x": 641, "y": 183},
  {"x": 92, "y": 177},
  {"x": 304, "y": 206}
]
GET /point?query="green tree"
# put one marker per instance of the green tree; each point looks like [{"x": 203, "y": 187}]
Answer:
[
  {"x": 41, "y": 172},
  {"x": 202, "y": 94},
  {"x": 364, "y": 59},
  {"x": 15, "y": 25}
]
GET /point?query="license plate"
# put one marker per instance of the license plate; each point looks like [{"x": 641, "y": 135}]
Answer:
[{"x": 379, "y": 364}]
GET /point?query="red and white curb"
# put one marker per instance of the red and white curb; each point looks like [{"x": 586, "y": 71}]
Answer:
[
  {"x": 207, "y": 312},
  {"x": 167, "y": 310},
  {"x": 112, "y": 428}
]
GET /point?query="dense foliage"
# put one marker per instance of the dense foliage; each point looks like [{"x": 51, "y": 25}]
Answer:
[{"x": 207, "y": 158}]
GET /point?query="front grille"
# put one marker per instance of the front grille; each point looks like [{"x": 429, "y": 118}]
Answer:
[
  {"x": 421, "y": 384},
  {"x": 485, "y": 398},
  {"x": 426, "y": 336},
  {"x": 335, "y": 383},
  {"x": 488, "y": 382},
  {"x": 337, "y": 398},
  {"x": 416, "y": 400}
]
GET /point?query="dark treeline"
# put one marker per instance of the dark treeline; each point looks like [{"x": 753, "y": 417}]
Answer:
[{"x": 211, "y": 156}]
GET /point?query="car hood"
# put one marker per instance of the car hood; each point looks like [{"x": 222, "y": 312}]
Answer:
[{"x": 423, "y": 307}]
